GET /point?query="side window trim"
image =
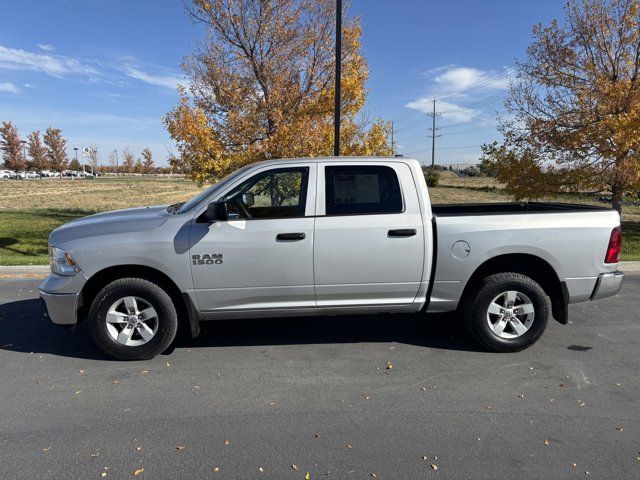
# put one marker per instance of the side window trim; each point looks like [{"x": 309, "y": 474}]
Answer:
[{"x": 321, "y": 199}]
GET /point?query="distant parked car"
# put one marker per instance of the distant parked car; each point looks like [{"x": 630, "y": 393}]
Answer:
[
  {"x": 7, "y": 174},
  {"x": 21, "y": 175},
  {"x": 33, "y": 174}
]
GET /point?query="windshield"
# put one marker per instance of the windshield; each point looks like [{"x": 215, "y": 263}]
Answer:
[{"x": 208, "y": 191}]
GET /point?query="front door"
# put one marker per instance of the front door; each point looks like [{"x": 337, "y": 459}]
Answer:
[
  {"x": 369, "y": 238},
  {"x": 262, "y": 257}
]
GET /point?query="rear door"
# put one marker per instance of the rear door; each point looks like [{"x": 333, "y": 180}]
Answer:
[{"x": 369, "y": 238}]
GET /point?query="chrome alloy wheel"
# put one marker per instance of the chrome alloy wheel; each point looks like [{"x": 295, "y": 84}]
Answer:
[
  {"x": 510, "y": 314},
  {"x": 132, "y": 321}
]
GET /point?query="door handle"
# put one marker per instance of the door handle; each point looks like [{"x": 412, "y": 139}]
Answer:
[
  {"x": 290, "y": 237},
  {"x": 402, "y": 232}
]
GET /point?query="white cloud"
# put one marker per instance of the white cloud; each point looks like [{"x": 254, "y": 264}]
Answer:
[
  {"x": 8, "y": 87},
  {"x": 460, "y": 78},
  {"x": 54, "y": 65},
  {"x": 168, "y": 81},
  {"x": 46, "y": 47},
  {"x": 449, "y": 111},
  {"x": 468, "y": 86}
]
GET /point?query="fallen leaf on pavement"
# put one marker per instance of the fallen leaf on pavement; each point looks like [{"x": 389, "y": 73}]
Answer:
[
  {"x": 261, "y": 469},
  {"x": 307, "y": 476},
  {"x": 168, "y": 364},
  {"x": 227, "y": 442},
  {"x": 46, "y": 449},
  {"x": 144, "y": 371},
  {"x": 216, "y": 469},
  {"x": 295, "y": 467},
  {"x": 620, "y": 429},
  {"x": 138, "y": 472},
  {"x": 78, "y": 392},
  {"x": 103, "y": 474},
  {"x": 179, "y": 447},
  {"x": 546, "y": 442},
  {"x": 138, "y": 448},
  {"x": 389, "y": 366},
  {"x": 434, "y": 466},
  {"x": 349, "y": 446}
]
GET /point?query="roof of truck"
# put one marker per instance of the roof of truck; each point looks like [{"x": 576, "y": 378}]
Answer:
[{"x": 341, "y": 158}]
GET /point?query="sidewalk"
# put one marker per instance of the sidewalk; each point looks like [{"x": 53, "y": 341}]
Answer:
[{"x": 38, "y": 271}]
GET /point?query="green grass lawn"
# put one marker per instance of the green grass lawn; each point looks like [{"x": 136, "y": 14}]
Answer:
[
  {"x": 630, "y": 240},
  {"x": 24, "y": 234}
]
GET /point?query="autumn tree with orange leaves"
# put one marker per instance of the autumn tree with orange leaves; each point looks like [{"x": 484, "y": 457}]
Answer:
[
  {"x": 575, "y": 106},
  {"x": 261, "y": 87}
]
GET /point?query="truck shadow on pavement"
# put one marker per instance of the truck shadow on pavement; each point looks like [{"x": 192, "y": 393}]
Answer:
[{"x": 24, "y": 328}]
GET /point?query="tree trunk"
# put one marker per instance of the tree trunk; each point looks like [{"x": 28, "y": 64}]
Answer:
[{"x": 616, "y": 197}]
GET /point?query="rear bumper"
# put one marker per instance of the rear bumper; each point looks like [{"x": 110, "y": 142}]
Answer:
[
  {"x": 607, "y": 285},
  {"x": 61, "y": 308}
]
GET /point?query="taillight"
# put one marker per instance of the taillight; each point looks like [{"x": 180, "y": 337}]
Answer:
[{"x": 615, "y": 245}]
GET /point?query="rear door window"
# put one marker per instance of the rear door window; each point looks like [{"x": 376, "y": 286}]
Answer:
[{"x": 362, "y": 190}]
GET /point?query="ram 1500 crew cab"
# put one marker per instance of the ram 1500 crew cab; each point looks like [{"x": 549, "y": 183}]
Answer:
[{"x": 324, "y": 237}]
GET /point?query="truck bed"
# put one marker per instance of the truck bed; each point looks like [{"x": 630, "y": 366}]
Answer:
[{"x": 509, "y": 208}]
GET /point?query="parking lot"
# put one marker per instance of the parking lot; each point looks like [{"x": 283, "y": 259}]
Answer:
[{"x": 360, "y": 397}]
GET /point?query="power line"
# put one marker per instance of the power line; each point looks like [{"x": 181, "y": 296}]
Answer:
[
  {"x": 485, "y": 82},
  {"x": 444, "y": 148}
]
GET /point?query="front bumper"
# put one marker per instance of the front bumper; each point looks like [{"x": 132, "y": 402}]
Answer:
[
  {"x": 61, "y": 308},
  {"x": 607, "y": 285}
]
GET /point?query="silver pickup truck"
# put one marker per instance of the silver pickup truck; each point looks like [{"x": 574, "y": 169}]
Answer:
[{"x": 327, "y": 236}]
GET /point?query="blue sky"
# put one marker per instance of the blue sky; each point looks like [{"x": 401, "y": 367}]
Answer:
[{"x": 105, "y": 70}]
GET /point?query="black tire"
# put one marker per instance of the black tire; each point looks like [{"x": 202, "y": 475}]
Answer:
[
  {"x": 167, "y": 318},
  {"x": 477, "y": 304}
]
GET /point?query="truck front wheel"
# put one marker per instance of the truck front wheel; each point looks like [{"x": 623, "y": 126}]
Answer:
[
  {"x": 507, "y": 312},
  {"x": 133, "y": 319}
]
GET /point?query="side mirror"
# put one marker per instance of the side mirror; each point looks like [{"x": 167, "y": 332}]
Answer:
[{"x": 217, "y": 211}]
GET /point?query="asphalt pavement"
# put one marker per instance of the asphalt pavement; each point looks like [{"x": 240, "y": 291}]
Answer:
[{"x": 387, "y": 397}]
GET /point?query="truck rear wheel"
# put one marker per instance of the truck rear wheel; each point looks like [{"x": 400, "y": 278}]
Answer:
[
  {"x": 507, "y": 312},
  {"x": 133, "y": 319}
]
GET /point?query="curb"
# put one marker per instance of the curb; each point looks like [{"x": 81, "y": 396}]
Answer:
[
  {"x": 24, "y": 270},
  {"x": 20, "y": 270},
  {"x": 630, "y": 266}
]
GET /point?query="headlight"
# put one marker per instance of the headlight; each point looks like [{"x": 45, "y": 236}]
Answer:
[{"x": 61, "y": 262}]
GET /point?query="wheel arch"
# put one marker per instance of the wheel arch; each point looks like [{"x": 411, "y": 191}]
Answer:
[
  {"x": 188, "y": 314},
  {"x": 532, "y": 266}
]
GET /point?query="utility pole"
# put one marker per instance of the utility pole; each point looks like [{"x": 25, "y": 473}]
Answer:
[
  {"x": 433, "y": 134},
  {"x": 336, "y": 123},
  {"x": 393, "y": 145}
]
